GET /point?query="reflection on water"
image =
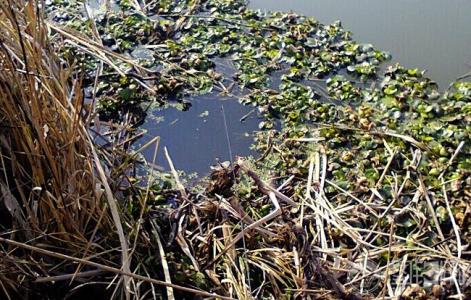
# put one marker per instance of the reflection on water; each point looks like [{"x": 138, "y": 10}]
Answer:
[
  {"x": 428, "y": 34},
  {"x": 197, "y": 138}
]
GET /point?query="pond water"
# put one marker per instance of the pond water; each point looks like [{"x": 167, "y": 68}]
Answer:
[
  {"x": 196, "y": 138},
  {"x": 433, "y": 35}
]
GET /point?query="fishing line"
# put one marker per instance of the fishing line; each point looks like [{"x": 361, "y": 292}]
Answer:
[{"x": 229, "y": 147}]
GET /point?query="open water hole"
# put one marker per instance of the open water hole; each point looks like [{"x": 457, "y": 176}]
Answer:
[{"x": 197, "y": 138}]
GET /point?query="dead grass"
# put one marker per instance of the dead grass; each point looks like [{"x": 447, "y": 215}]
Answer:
[
  {"x": 50, "y": 184},
  {"x": 312, "y": 244}
]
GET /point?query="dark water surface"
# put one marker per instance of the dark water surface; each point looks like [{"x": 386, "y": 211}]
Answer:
[
  {"x": 196, "y": 138},
  {"x": 434, "y": 35}
]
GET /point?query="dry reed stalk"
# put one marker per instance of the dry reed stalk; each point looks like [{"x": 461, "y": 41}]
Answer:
[
  {"x": 52, "y": 179},
  {"x": 111, "y": 269},
  {"x": 47, "y": 164}
]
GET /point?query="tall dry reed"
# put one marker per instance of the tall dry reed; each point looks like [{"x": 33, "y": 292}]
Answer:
[{"x": 52, "y": 186}]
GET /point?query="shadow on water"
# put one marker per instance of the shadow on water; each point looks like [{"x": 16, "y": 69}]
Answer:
[{"x": 196, "y": 138}]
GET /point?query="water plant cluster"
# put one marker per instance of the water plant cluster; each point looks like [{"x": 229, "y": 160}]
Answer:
[{"x": 364, "y": 166}]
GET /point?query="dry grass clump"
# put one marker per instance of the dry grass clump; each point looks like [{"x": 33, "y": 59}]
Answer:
[
  {"x": 45, "y": 145},
  {"x": 51, "y": 182}
]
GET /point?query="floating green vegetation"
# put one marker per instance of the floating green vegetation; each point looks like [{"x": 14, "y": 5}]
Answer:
[{"x": 378, "y": 159}]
